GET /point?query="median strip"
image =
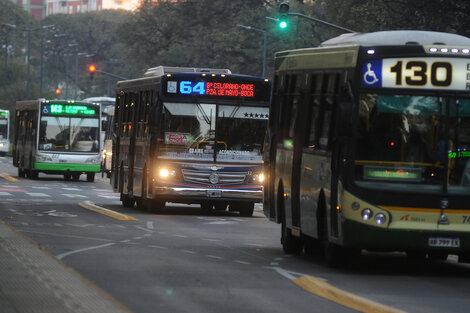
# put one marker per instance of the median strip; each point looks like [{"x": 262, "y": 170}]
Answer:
[
  {"x": 8, "y": 177},
  {"x": 93, "y": 207},
  {"x": 325, "y": 290}
]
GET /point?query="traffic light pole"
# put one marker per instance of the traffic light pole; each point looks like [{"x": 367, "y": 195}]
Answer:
[
  {"x": 264, "y": 44},
  {"x": 320, "y": 21},
  {"x": 112, "y": 75}
]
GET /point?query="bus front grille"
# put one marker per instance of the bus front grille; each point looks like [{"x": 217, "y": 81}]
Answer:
[{"x": 217, "y": 178}]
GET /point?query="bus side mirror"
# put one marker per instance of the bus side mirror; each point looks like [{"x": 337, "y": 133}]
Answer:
[{"x": 344, "y": 119}]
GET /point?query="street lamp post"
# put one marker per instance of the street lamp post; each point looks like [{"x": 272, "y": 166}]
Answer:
[
  {"x": 264, "y": 44},
  {"x": 41, "y": 68}
]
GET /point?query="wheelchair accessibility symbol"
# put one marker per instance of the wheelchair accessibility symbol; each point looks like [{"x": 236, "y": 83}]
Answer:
[{"x": 371, "y": 73}]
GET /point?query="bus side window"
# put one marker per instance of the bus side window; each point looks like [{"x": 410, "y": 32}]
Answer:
[
  {"x": 314, "y": 110},
  {"x": 328, "y": 101}
]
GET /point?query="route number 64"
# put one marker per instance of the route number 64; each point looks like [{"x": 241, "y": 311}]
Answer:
[{"x": 417, "y": 73}]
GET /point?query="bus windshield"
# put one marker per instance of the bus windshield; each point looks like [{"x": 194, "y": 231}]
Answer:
[
  {"x": 3, "y": 128},
  {"x": 72, "y": 134},
  {"x": 190, "y": 131},
  {"x": 413, "y": 143}
]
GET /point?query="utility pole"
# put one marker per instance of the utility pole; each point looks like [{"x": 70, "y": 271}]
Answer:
[
  {"x": 264, "y": 44},
  {"x": 6, "y": 59}
]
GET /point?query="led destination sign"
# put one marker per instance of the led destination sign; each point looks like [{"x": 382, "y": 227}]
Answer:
[
  {"x": 67, "y": 109},
  {"x": 429, "y": 73},
  {"x": 187, "y": 87},
  {"x": 218, "y": 88}
]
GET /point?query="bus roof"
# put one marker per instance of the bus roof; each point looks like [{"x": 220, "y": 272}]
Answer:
[
  {"x": 162, "y": 70},
  {"x": 398, "y": 37},
  {"x": 100, "y": 99}
]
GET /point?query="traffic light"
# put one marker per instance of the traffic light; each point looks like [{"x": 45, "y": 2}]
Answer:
[
  {"x": 92, "y": 70},
  {"x": 284, "y": 14},
  {"x": 57, "y": 91}
]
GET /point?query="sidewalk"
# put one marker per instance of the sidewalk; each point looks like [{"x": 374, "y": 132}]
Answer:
[{"x": 32, "y": 280}]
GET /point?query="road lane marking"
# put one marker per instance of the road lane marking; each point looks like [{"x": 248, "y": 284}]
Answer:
[
  {"x": 8, "y": 177},
  {"x": 37, "y": 194},
  {"x": 73, "y": 195},
  {"x": 3, "y": 193},
  {"x": 93, "y": 207},
  {"x": 63, "y": 255},
  {"x": 325, "y": 290}
]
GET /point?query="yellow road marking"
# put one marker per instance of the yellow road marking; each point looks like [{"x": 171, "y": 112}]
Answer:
[
  {"x": 93, "y": 207},
  {"x": 344, "y": 298},
  {"x": 8, "y": 177}
]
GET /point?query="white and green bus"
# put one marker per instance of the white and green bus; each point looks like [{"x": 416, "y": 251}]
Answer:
[
  {"x": 4, "y": 131},
  {"x": 368, "y": 146},
  {"x": 57, "y": 137}
]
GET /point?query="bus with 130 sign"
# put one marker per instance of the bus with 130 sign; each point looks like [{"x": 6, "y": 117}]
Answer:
[{"x": 368, "y": 146}]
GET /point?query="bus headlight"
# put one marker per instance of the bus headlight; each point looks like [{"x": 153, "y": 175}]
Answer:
[
  {"x": 366, "y": 214},
  {"x": 166, "y": 173},
  {"x": 257, "y": 178},
  {"x": 380, "y": 218}
]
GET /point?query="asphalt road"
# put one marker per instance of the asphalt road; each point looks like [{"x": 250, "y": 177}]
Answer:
[{"x": 180, "y": 260}]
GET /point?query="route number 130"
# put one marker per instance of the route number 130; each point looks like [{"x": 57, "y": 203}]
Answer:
[{"x": 416, "y": 73}]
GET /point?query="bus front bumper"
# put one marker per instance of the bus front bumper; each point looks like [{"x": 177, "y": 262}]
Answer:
[
  {"x": 367, "y": 237},
  {"x": 185, "y": 194}
]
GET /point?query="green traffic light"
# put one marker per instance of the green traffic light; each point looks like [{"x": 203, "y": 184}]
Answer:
[{"x": 283, "y": 24}]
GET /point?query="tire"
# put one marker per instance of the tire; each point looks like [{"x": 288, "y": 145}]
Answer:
[
  {"x": 290, "y": 243},
  {"x": 90, "y": 177},
  {"x": 67, "y": 176},
  {"x": 21, "y": 173},
  {"x": 75, "y": 176},
  {"x": 33, "y": 174},
  {"x": 127, "y": 202}
]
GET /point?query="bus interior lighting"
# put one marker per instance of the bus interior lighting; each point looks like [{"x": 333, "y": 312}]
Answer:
[
  {"x": 433, "y": 49},
  {"x": 366, "y": 214},
  {"x": 454, "y": 50},
  {"x": 444, "y": 50},
  {"x": 371, "y": 51},
  {"x": 466, "y": 51},
  {"x": 380, "y": 218}
]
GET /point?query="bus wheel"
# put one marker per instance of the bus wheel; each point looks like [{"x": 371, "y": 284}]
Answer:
[
  {"x": 67, "y": 176},
  {"x": 21, "y": 173},
  {"x": 127, "y": 202},
  {"x": 290, "y": 243},
  {"x": 90, "y": 177},
  {"x": 76, "y": 176}
]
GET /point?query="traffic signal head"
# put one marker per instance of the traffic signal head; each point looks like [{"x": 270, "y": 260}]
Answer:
[
  {"x": 57, "y": 91},
  {"x": 92, "y": 70},
  {"x": 284, "y": 13}
]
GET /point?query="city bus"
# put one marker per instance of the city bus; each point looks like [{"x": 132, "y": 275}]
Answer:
[
  {"x": 60, "y": 137},
  {"x": 189, "y": 135},
  {"x": 107, "y": 113},
  {"x": 4, "y": 131},
  {"x": 368, "y": 146}
]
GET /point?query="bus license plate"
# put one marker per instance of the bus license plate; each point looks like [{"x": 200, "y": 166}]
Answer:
[
  {"x": 214, "y": 193},
  {"x": 444, "y": 242}
]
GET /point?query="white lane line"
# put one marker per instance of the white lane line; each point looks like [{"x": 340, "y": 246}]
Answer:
[
  {"x": 158, "y": 247},
  {"x": 210, "y": 239},
  {"x": 242, "y": 262},
  {"x": 63, "y": 255},
  {"x": 37, "y": 194},
  {"x": 72, "y": 189},
  {"x": 188, "y": 251},
  {"x": 73, "y": 195},
  {"x": 3, "y": 193},
  {"x": 150, "y": 225},
  {"x": 180, "y": 236},
  {"x": 214, "y": 257},
  {"x": 40, "y": 187}
]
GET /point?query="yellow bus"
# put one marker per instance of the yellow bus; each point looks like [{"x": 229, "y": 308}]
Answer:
[{"x": 368, "y": 146}]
